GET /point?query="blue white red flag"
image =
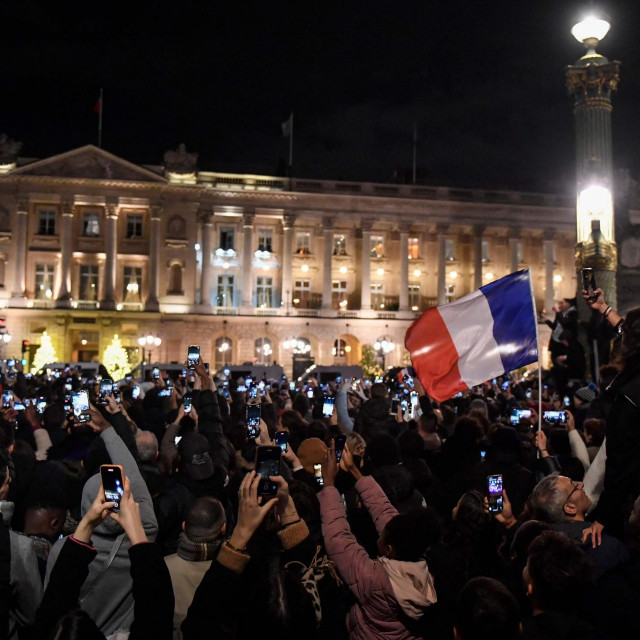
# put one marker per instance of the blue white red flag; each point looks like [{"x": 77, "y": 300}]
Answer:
[{"x": 478, "y": 337}]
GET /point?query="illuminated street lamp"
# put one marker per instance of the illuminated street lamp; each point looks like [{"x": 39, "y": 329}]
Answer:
[
  {"x": 147, "y": 344},
  {"x": 383, "y": 346}
]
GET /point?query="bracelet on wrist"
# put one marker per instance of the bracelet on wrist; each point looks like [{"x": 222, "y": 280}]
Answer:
[
  {"x": 288, "y": 524},
  {"x": 607, "y": 311},
  {"x": 228, "y": 543}
]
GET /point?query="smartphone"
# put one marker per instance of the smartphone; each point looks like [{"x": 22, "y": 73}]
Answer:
[
  {"x": 555, "y": 417},
  {"x": 339, "y": 442},
  {"x": 261, "y": 385},
  {"x": 80, "y": 402},
  {"x": 505, "y": 385},
  {"x": 106, "y": 389},
  {"x": 589, "y": 283},
  {"x": 567, "y": 401},
  {"x": 252, "y": 420},
  {"x": 164, "y": 393},
  {"x": 7, "y": 399},
  {"x": 292, "y": 386},
  {"x": 18, "y": 406},
  {"x": 128, "y": 377},
  {"x": 528, "y": 393},
  {"x": 338, "y": 379},
  {"x": 112, "y": 483},
  {"x": 253, "y": 393},
  {"x": 268, "y": 464},
  {"x": 494, "y": 381},
  {"x": 176, "y": 440},
  {"x": 317, "y": 472},
  {"x": 282, "y": 439},
  {"x": 327, "y": 406},
  {"x": 68, "y": 386},
  {"x": 395, "y": 403},
  {"x": 183, "y": 373},
  {"x": 494, "y": 491},
  {"x": 187, "y": 403},
  {"x": 41, "y": 405},
  {"x": 11, "y": 363},
  {"x": 310, "y": 392},
  {"x": 135, "y": 392},
  {"x": 248, "y": 380},
  {"x": 155, "y": 372},
  {"x": 193, "y": 356},
  {"x": 483, "y": 455}
]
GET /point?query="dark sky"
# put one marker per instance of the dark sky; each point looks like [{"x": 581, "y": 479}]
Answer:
[{"x": 484, "y": 81}]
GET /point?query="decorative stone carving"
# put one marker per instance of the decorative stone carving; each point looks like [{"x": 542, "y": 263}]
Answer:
[
  {"x": 177, "y": 227},
  {"x": 180, "y": 161}
]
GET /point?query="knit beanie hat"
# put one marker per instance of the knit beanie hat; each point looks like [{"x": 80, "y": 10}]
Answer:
[{"x": 586, "y": 394}]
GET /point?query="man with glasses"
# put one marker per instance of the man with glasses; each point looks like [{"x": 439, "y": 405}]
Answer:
[{"x": 563, "y": 503}]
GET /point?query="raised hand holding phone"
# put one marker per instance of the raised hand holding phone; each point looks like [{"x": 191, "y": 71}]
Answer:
[
  {"x": 330, "y": 466},
  {"x": 96, "y": 513},
  {"x": 129, "y": 516}
]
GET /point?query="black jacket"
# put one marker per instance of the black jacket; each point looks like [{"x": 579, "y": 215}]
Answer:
[{"x": 374, "y": 419}]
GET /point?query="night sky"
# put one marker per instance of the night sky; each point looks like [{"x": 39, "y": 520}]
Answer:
[{"x": 484, "y": 81}]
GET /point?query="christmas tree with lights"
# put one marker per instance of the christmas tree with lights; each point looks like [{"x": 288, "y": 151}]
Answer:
[
  {"x": 116, "y": 360},
  {"x": 44, "y": 355}
]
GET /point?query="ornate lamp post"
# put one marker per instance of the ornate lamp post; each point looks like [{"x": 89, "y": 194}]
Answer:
[
  {"x": 383, "y": 346},
  {"x": 147, "y": 343}
]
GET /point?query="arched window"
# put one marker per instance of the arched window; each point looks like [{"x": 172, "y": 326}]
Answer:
[
  {"x": 223, "y": 351},
  {"x": 263, "y": 351},
  {"x": 302, "y": 347},
  {"x": 339, "y": 348},
  {"x": 175, "y": 279}
]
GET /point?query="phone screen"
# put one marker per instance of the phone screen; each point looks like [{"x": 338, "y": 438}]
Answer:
[
  {"x": 253, "y": 392},
  {"x": 309, "y": 392},
  {"x": 268, "y": 464},
  {"x": 292, "y": 386},
  {"x": 395, "y": 403},
  {"x": 317, "y": 472},
  {"x": 253, "y": 420},
  {"x": 80, "y": 401},
  {"x": 106, "y": 388},
  {"x": 281, "y": 440},
  {"x": 505, "y": 385},
  {"x": 555, "y": 417},
  {"x": 135, "y": 392},
  {"x": 112, "y": 484},
  {"x": 494, "y": 489},
  {"x": 193, "y": 356},
  {"x": 327, "y": 407},
  {"x": 155, "y": 372},
  {"x": 41, "y": 405},
  {"x": 339, "y": 442},
  {"x": 7, "y": 399},
  {"x": 589, "y": 282},
  {"x": 187, "y": 401}
]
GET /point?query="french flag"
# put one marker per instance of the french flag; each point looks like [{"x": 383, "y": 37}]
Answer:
[{"x": 483, "y": 335}]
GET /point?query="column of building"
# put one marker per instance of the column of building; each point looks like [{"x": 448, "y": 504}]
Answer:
[
  {"x": 206, "y": 277},
  {"x": 478, "y": 230},
  {"x": 288, "y": 221},
  {"x": 365, "y": 289},
  {"x": 549, "y": 249},
  {"x": 327, "y": 232},
  {"x": 442, "y": 263},
  {"x": 152, "y": 303},
  {"x": 403, "y": 298},
  {"x": 63, "y": 300},
  {"x": 109, "y": 292},
  {"x": 19, "y": 296},
  {"x": 514, "y": 258},
  {"x": 247, "y": 259}
]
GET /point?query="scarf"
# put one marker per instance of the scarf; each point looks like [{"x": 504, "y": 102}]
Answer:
[{"x": 197, "y": 551}]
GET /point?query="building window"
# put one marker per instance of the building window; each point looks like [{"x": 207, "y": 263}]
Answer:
[
  {"x": 134, "y": 225},
  {"x": 302, "y": 293},
  {"x": 301, "y": 347},
  {"x": 44, "y": 281},
  {"x": 303, "y": 243},
  {"x": 414, "y": 248},
  {"x": 485, "y": 251},
  {"x": 339, "y": 349},
  {"x": 227, "y": 238},
  {"x": 520, "y": 252},
  {"x": 175, "y": 280},
  {"x": 377, "y": 246},
  {"x": 90, "y": 224},
  {"x": 132, "y": 284},
  {"x": 46, "y": 222},
  {"x": 225, "y": 291},
  {"x": 339, "y": 244},
  {"x": 264, "y": 292},
  {"x": 450, "y": 249},
  {"x": 414, "y": 296},
  {"x": 339, "y": 294},
  {"x": 88, "y": 282},
  {"x": 223, "y": 351},
  {"x": 377, "y": 295},
  {"x": 262, "y": 350},
  {"x": 265, "y": 240},
  {"x": 450, "y": 292}
]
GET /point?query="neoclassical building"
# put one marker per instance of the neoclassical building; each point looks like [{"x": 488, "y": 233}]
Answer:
[{"x": 248, "y": 266}]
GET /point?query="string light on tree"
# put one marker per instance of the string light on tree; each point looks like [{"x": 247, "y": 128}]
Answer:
[
  {"x": 44, "y": 355},
  {"x": 116, "y": 359}
]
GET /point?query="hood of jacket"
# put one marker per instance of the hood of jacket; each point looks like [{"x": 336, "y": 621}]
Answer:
[{"x": 412, "y": 585}]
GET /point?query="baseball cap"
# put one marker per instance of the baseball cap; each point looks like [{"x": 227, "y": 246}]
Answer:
[{"x": 196, "y": 459}]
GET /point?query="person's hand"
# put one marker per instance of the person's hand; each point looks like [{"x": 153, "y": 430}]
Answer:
[
  {"x": 571, "y": 425},
  {"x": 291, "y": 457},
  {"x": 205, "y": 378},
  {"x": 263, "y": 438},
  {"x": 333, "y": 421},
  {"x": 31, "y": 415},
  {"x": 181, "y": 413},
  {"x": 598, "y": 303},
  {"x": 348, "y": 464},
  {"x": 330, "y": 466},
  {"x": 129, "y": 516},
  {"x": 266, "y": 398},
  {"x": 97, "y": 422},
  {"x": 399, "y": 414},
  {"x": 595, "y": 531},
  {"x": 96, "y": 513},
  {"x": 541, "y": 442},
  {"x": 283, "y": 493},
  {"x": 250, "y": 512},
  {"x": 506, "y": 517},
  {"x": 112, "y": 406},
  {"x": 193, "y": 414},
  {"x": 418, "y": 387}
]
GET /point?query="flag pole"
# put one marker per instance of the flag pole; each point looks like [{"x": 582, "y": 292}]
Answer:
[
  {"x": 415, "y": 150},
  {"x": 291, "y": 147},
  {"x": 100, "y": 122},
  {"x": 535, "y": 322}
]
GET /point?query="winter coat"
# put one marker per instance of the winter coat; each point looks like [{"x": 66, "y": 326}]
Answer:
[
  {"x": 388, "y": 592},
  {"x": 374, "y": 419}
]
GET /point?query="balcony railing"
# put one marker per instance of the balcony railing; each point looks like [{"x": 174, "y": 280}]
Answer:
[
  {"x": 266, "y": 311},
  {"x": 85, "y": 305},
  {"x": 225, "y": 311}
]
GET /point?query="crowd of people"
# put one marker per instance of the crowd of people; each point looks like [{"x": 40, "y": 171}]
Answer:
[{"x": 371, "y": 519}]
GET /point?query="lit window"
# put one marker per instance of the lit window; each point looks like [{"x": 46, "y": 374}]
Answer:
[
  {"x": 377, "y": 246},
  {"x": 225, "y": 291},
  {"x": 377, "y": 295},
  {"x": 44, "y": 281},
  {"x": 262, "y": 350},
  {"x": 264, "y": 292},
  {"x": 451, "y": 292},
  {"x": 175, "y": 280},
  {"x": 520, "y": 252},
  {"x": 132, "y": 284},
  {"x": 450, "y": 249},
  {"x": 223, "y": 351},
  {"x": 227, "y": 238},
  {"x": 339, "y": 245},
  {"x": 339, "y": 349},
  {"x": 302, "y": 293},
  {"x": 414, "y": 296},
  {"x": 303, "y": 243},
  {"x": 414, "y": 248},
  {"x": 339, "y": 294},
  {"x": 46, "y": 222},
  {"x": 88, "y": 282},
  {"x": 134, "y": 225},
  {"x": 90, "y": 224},
  {"x": 485, "y": 251},
  {"x": 265, "y": 240}
]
